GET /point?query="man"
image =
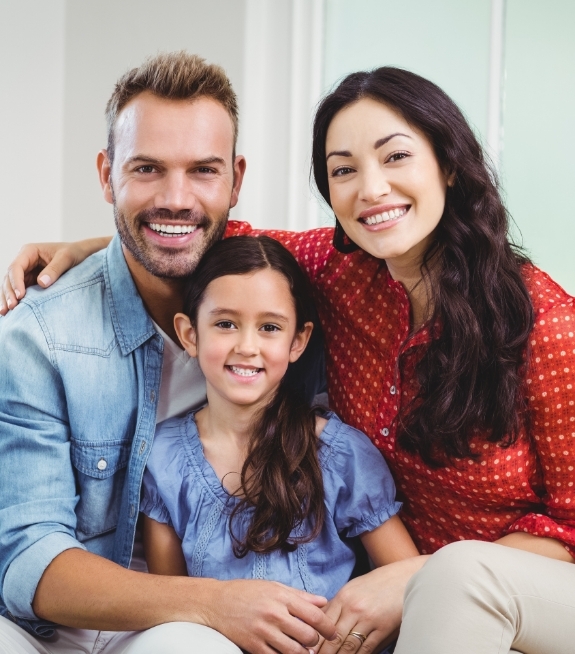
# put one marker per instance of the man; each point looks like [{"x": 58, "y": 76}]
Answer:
[{"x": 91, "y": 365}]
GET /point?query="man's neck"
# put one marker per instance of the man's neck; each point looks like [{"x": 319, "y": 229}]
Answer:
[{"x": 162, "y": 297}]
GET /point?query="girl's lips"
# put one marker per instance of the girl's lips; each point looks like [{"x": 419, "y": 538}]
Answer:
[{"x": 244, "y": 373}]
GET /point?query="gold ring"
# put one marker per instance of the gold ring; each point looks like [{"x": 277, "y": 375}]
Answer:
[{"x": 361, "y": 637}]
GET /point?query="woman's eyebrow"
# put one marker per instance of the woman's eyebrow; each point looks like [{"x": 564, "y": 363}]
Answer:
[{"x": 385, "y": 139}]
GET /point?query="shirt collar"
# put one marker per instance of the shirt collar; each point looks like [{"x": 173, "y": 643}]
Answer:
[{"x": 132, "y": 324}]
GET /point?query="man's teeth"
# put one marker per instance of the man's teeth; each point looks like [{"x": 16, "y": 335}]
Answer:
[
  {"x": 172, "y": 230},
  {"x": 385, "y": 216},
  {"x": 245, "y": 372}
]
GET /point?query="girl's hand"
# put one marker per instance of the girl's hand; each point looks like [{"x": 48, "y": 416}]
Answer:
[
  {"x": 370, "y": 605},
  {"x": 43, "y": 263}
]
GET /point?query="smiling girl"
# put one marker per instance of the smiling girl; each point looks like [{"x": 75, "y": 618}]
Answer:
[{"x": 257, "y": 484}]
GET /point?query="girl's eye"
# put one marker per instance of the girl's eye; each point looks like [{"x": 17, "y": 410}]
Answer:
[
  {"x": 397, "y": 156},
  {"x": 225, "y": 324},
  {"x": 340, "y": 172},
  {"x": 270, "y": 328}
]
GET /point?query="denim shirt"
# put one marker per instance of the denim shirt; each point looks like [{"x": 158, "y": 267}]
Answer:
[{"x": 80, "y": 374}]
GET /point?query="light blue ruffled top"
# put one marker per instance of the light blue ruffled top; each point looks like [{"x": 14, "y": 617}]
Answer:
[{"x": 182, "y": 489}]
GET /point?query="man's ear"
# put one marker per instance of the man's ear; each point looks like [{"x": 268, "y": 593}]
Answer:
[
  {"x": 186, "y": 333},
  {"x": 300, "y": 341},
  {"x": 105, "y": 175},
  {"x": 239, "y": 170}
]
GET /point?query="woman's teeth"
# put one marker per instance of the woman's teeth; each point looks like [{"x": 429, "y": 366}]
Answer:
[
  {"x": 245, "y": 372},
  {"x": 385, "y": 216},
  {"x": 172, "y": 230}
]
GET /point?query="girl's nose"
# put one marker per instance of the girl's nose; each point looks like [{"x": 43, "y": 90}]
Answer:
[{"x": 247, "y": 344}]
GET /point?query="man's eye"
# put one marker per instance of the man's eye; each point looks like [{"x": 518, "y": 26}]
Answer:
[
  {"x": 145, "y": 169},
  {"x": 225, "y": 324},
  {"x": 270, "y": 328},
  {"x": 205, "y": 170}
]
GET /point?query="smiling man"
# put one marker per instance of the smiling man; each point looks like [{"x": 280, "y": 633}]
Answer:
[{"x": 90, "y": 367}]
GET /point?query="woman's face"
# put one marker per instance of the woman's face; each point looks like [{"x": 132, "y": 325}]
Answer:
[{"x": 385, "y": 184}]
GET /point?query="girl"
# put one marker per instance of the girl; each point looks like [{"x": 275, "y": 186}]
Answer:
[{"x": 257, "y": 484}]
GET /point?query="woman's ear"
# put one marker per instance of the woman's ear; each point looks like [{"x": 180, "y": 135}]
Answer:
[
  {"x": 451, "y": 180},
  {"x": 186, "y": 333},
  {"x": 300, "y": 341}
]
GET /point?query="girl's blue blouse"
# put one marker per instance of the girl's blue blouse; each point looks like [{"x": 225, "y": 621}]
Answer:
[{"x": 181, "y": 489}]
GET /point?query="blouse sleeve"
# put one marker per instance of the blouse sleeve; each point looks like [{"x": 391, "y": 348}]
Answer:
[
  {"x": 359, "y": 488},
  {"x": 551, "y": 394},
  {"x": 151, "y": 503}
]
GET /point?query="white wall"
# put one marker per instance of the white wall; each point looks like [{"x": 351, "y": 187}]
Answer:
[{"x": 31, "y": 122}]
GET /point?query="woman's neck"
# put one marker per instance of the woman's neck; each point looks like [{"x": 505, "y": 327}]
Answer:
[{"x": 417, "y": 288}]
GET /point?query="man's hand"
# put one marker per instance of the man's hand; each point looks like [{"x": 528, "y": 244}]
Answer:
[
  {"x": 43, "y": 263},
  {"x": 85, "y": 591},
  {"x": 369, "y": 606}
]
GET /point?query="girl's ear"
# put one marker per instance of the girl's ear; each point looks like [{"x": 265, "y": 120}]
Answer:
[
  {"x": 300, "y": 341},
  {"x": 186, "y": 333}
]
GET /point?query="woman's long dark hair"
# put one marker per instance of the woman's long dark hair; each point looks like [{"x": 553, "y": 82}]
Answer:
[
  {"x": 470, "y": 377},
  {"x": 281, "y": 477}
]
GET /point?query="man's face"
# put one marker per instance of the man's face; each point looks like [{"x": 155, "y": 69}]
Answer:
[{"x": 172, "y": 182}]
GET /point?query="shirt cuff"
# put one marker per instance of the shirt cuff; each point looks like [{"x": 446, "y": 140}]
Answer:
[
  {"x": 543, "y": 526},
  {"x": 374, "y": 521},
  {"x": 26, "y": 570}
]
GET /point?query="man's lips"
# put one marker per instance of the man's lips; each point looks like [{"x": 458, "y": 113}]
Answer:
[{"x": 171, "y": 229}]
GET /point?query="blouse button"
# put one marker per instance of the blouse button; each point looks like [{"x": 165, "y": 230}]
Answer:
[
  {"x": 385, "y": 431},
  {"x": 392, "y": 390},
  {"x": 102, "y": 464}
]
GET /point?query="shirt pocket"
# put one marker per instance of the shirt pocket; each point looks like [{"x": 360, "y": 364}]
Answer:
[{"x": 100, "y": 469}]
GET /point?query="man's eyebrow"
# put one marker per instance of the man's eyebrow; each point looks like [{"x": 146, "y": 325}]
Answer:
[
  {"x": 143, "y": 158},
  {"x": 385, "y": 139},
  {"x": 151, "y": 160}
]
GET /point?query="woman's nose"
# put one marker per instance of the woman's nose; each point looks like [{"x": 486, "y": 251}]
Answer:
[{"x": 374, "y": 185}]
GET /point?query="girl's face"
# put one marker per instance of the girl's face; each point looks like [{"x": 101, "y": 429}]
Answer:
[
  {"x": 245, "y": 336},
  {"x": 385, "y": 184}
]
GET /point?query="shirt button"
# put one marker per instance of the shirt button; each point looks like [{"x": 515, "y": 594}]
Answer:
[
  {"x": 102, "y": 464},
  {"x": 385, "y": 431},
  {"x": 152, "y": 396},
  {"x": 392, "y": 390}
]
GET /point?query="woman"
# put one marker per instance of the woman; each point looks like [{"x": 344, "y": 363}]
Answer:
[{"x": 456, "y": 356}]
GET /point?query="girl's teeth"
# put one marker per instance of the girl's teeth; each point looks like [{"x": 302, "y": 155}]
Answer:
[
  {"x": 245, "y": 372},
  {"x": 392, "y": 214}
]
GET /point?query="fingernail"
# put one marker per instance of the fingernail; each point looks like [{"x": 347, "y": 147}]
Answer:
[
  {"x": 8, "y": 302},
  {"x": 17, "y": 294},
  {"x": 45, "y": 279}
]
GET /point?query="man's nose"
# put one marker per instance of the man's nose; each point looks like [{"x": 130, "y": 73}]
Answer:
[{"x": 176, "y": 193}]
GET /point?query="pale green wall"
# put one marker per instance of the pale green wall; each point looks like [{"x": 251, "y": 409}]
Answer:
[
  {"x": 448, "y": 41},
  {"x": 538, "y": 161}
]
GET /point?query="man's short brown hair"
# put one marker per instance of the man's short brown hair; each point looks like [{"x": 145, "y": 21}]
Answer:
[{"x": 173, "y": 76}]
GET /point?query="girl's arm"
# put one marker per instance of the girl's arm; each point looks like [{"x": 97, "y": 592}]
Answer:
[
  {"x": 388, "y": 543},
  {"x": 43, "y": 263},
  {"x": 163, "y": 549}
]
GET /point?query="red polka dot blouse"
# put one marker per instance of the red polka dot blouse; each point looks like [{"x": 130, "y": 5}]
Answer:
[{"x": 366, "y": 319}]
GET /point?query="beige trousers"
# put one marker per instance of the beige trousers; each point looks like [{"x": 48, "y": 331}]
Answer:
[
  {"x": 481, "y": 598},
  {"x": 172, "y": 638}
]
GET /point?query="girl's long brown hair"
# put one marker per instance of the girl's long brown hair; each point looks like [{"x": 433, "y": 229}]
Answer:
[
  {"x": 281, "y": 478},
  {"x": 470, "y": 377}
]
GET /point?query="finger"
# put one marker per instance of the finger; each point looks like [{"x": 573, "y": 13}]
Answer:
[
  {"x": 3, "y": 306},
  {"x": 9, "y": 300},
  {"x": 316, "y": 600},
  {"x": 312, "y": 616},
  {"x": 61, "y": 262},
  {"x": 280, "y": 642}
]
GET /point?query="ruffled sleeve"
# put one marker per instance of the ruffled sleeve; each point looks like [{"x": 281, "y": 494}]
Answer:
[
  {"x": 151, "y": 503},
  {"x": 359, "y": 488},
  {"x": 551, "y": 392}
]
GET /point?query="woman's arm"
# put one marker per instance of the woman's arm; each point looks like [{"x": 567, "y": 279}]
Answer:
[
  {"x": 43, "y": 263},
  {"x": 163, "y": 549}
]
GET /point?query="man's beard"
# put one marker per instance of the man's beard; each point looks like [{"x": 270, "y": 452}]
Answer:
[{"x": 169, "y": 263}]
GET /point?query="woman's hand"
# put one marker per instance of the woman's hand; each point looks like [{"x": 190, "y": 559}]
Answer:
[
  {"x": 370, "y": 606},
  {"x": 43, "y": 263}
]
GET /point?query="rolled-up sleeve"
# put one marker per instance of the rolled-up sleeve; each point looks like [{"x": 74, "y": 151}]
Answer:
[{"x": 37, "y": 486}]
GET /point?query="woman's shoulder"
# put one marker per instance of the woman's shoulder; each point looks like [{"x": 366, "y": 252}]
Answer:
[{"x": 546, "y": 294}]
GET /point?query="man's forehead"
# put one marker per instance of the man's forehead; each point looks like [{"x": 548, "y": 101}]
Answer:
[{"x": 149, "y": 119}]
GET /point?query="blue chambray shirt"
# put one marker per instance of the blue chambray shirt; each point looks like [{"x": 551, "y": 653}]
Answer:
[{"x": 80, "y": 374}]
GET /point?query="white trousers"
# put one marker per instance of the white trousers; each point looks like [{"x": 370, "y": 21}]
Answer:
[
  {"x": 481, "y": 598},
  {"x": 169, "y": 638}
]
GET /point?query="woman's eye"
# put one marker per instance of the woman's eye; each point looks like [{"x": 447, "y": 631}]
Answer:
[
  {"x": 397, "y": 156},
  {"x": 340, "y": 172},
  {"x": 270, "y": 328},
  {"x": 225, "y": 324}
]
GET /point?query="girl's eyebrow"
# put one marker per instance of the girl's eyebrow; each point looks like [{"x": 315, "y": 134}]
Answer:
[
  {"x": 270, "y": 315},
  {"x": 376, "y": 145}
]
